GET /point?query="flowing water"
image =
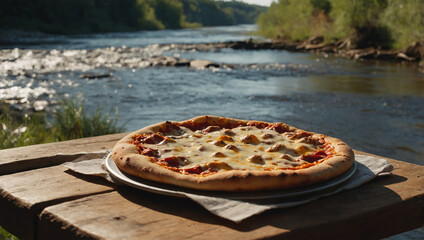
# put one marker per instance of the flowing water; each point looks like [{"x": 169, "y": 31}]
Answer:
[{"x": 376, "y": 107}]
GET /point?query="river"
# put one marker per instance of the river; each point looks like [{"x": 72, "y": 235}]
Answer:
[{"x": 377, "y": 107}]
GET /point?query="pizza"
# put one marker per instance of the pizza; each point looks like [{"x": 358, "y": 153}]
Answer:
[{"x": 224, "y": 154}]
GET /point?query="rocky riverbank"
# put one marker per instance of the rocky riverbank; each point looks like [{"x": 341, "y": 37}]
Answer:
[
  {"x": 414, "y": 53},
  {"x": 30, "y": 62}
]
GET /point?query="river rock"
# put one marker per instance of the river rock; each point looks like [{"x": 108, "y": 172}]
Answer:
[
  {"x": 182, "y": 63},
  {"x": 162, "y": 61},
  {"x": 95, "y": 75},
  {"x": 198, "y": 63}
]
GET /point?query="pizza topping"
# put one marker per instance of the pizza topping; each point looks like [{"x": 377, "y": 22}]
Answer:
[
  {"x": 219, "y": 143},
  {"x": 275, "y": 148},
  {"x": 211, "y": 129},
  {"x": 225, "y": 138},
  {"x": 237, "y": 148},
  {"x": 256, "y": 159},
  {"x": 231, "y": 147},
  {"x": 267, "y": 136},
  {"x": 153, "y": 139},
  {"x": 313, "y": 156},
  {"x": 250, "y": 139},
  {"x": 217, "y": 154},
  {"x": 172, "y": 161},
  {"x": 166, "y": 140},
  {"x": 193, "y": 170},
  {"x": 297, "y": 135},
  {"x": 216, "y": 166},
  {"x": 228, "y": 132},
  {"x": 278, "y": 127},
  {"x": 150, "y": 152},
  {"x": 259, "y": 125},
  {"x": 307, "y": 140},
  {"x": 301, "y": 149},
  {"x": 286, "y": 156}
]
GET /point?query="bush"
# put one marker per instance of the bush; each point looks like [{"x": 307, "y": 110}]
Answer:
[
  {"x": 287, "y": 19},
  {"x": 358, "y": 19},
  {"x": 366, "y": 23},
  {"x": 69, "y": 121},
  {"x": 404, "y": 19}
]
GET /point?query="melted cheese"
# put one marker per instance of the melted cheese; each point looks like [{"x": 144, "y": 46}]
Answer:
[{"x": 244, "y": 148}]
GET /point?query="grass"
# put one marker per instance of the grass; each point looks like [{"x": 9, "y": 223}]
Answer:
[
  {"x": 23, "y": 130},
  {"x": 69, "y": 121},
  {"x": 4, "y": 235}
]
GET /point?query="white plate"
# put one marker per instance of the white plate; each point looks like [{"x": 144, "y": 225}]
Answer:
[{"x": 175, "y": 191}]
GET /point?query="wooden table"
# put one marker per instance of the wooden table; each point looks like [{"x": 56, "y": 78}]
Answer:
[{"x": 41, "y": 200}]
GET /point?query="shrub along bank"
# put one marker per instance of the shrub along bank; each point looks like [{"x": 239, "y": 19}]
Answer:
[
  {"x": 382, "y": 24},
  {"x": 68, "y": 121}
]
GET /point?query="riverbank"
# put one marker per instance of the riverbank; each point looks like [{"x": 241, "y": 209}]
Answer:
[
  {"x": 362, "y": 29},
  {"x": 414, "y": 53}
]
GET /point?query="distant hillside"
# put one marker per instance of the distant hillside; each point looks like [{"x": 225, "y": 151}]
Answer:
[
  {"x": 89, "y": 16},
  {"x": 213, "y": 13}
]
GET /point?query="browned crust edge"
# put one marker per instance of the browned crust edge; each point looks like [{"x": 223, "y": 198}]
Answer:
[{"x": 127, "y": 158}]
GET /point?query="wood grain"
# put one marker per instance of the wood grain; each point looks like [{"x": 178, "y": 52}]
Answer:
[
  {"x": 23, "y": 195},
  {"x": 383, "y": 207},
  {"x": 49, "y": 154}
]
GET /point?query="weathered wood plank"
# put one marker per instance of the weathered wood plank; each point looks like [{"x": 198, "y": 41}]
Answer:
[
  {"x": 49, "y": 154},
  {"x": 23, "y": 195},
  {"x": 383, "y": 207}
]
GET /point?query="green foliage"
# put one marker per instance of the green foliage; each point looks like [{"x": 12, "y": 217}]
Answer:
[
  {"x": 69, "y": 121},
  {"x": 325, "y": 5},
  {"x": 206, "y": 12},
  {"x": 78, "y": 16},
  {"x": 366, "y": 23},
  {"x": 405, "y": 21},
  {"x": 287, "y": 19},
  {"x": 146, "y": 18},
  {"x": 22, "y": 130},
  {"x": 86, "y": 16},
  {"x": 4, "y": 235},
  {"x": 168, "y": 12},
  {"x": 269, "y": 22},
  {"x": 360, "y": 19},
  {"x": 240, "y": 12}
]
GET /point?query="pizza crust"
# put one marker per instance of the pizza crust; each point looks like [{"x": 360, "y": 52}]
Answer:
[{"x": 128, "y": 159}]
